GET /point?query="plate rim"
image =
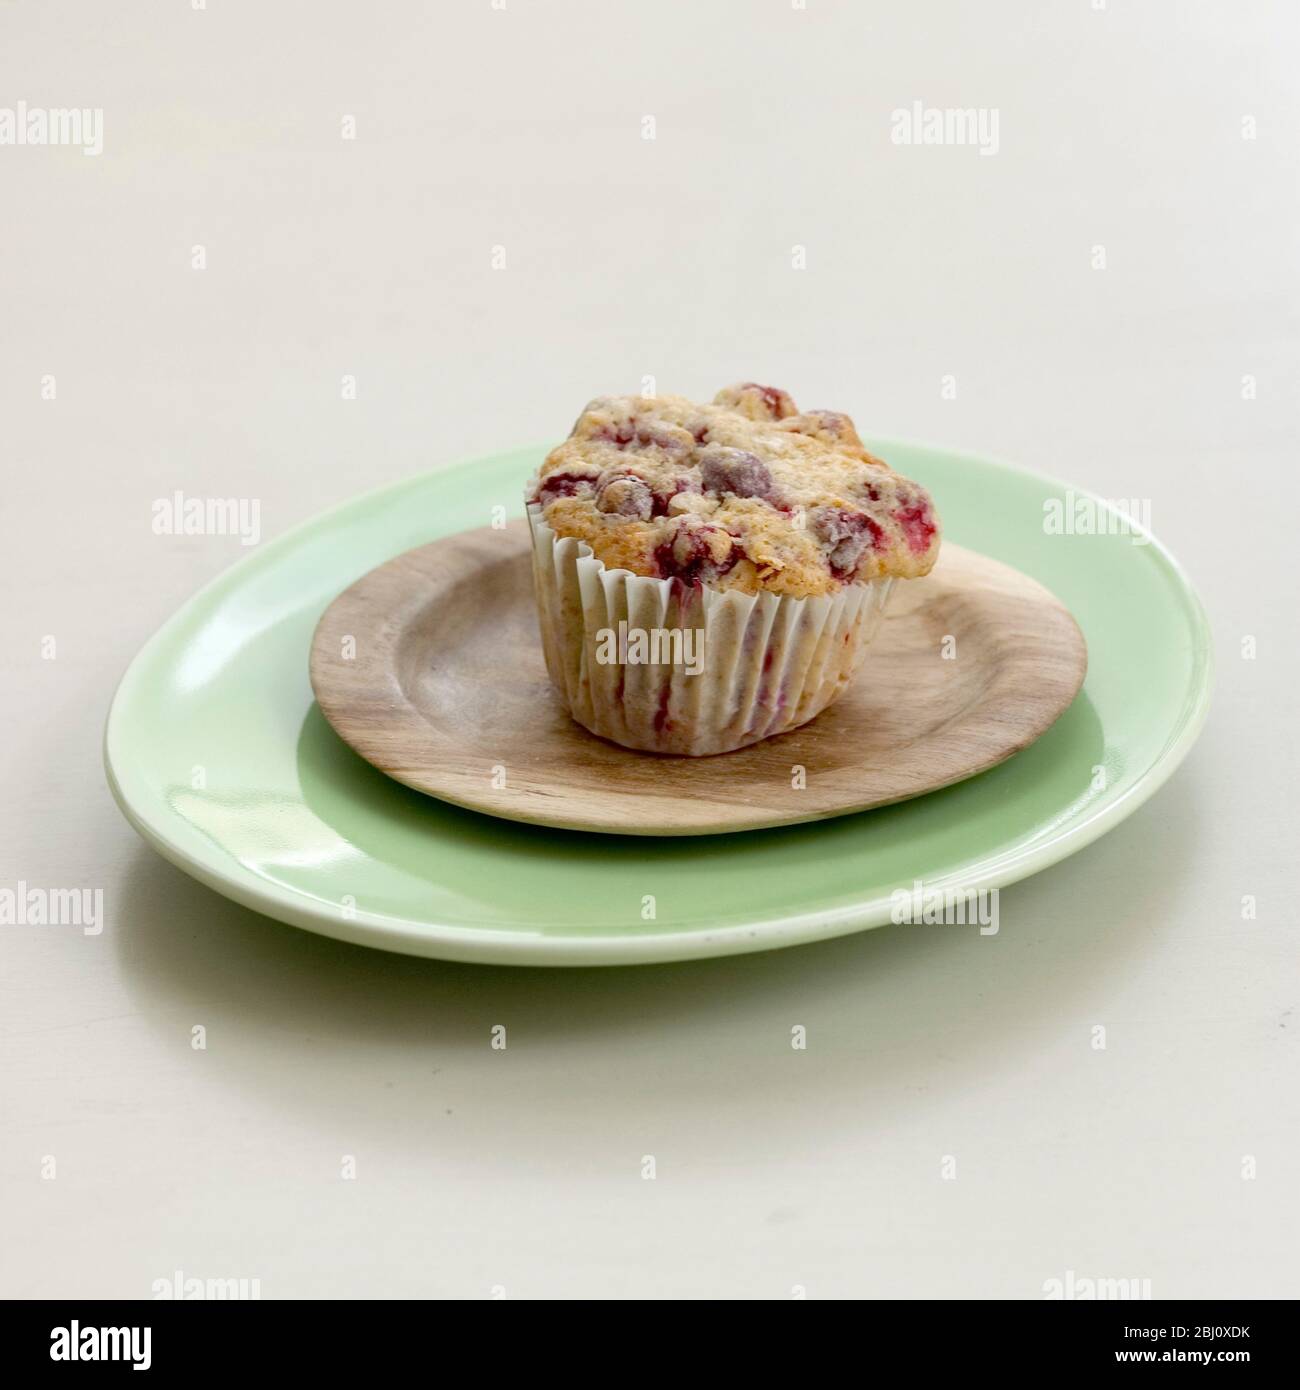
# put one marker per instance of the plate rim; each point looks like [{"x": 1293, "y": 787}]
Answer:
[{"x": 508, "y": 946}]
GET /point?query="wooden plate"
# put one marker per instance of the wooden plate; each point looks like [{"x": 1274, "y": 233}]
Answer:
[{"x": 431, "y": 668}]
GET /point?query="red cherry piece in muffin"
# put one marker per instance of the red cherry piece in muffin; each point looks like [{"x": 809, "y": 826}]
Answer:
[
  {"x": 626, "y": 496},
  {"x": 746, "y": 493},
  {"x": 734, "y": 471},
  {"x": 919, "y": 525},
  {"x": 695, "y": 552},
  {"x": 756, "y": 402},
  {"x": 567, "y": 483},
  {"x": 847, "y": 534}
]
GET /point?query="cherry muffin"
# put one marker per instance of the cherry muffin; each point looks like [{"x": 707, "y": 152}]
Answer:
[{"x": 711, "y": 575}]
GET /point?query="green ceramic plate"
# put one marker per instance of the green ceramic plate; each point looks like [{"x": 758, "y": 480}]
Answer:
[{"x": 219, "y": 757}]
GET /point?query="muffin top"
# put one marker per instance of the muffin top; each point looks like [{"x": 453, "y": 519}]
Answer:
[{"x": 747, "y": 493}]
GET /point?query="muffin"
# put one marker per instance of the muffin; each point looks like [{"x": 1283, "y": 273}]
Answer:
[{"x": 711, "y": 575}]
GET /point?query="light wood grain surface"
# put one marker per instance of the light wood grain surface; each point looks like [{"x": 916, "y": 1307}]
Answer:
[{"x": 431, "y": 668}]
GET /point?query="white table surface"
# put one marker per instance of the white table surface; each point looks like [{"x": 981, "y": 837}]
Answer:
[{"x": 521, "y": 1171}]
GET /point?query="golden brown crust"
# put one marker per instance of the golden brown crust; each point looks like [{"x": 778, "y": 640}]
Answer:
[{"x": 746, "y": 493}]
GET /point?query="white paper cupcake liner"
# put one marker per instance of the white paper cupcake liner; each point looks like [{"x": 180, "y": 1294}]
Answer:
[{"x": 769, "y": 663}]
